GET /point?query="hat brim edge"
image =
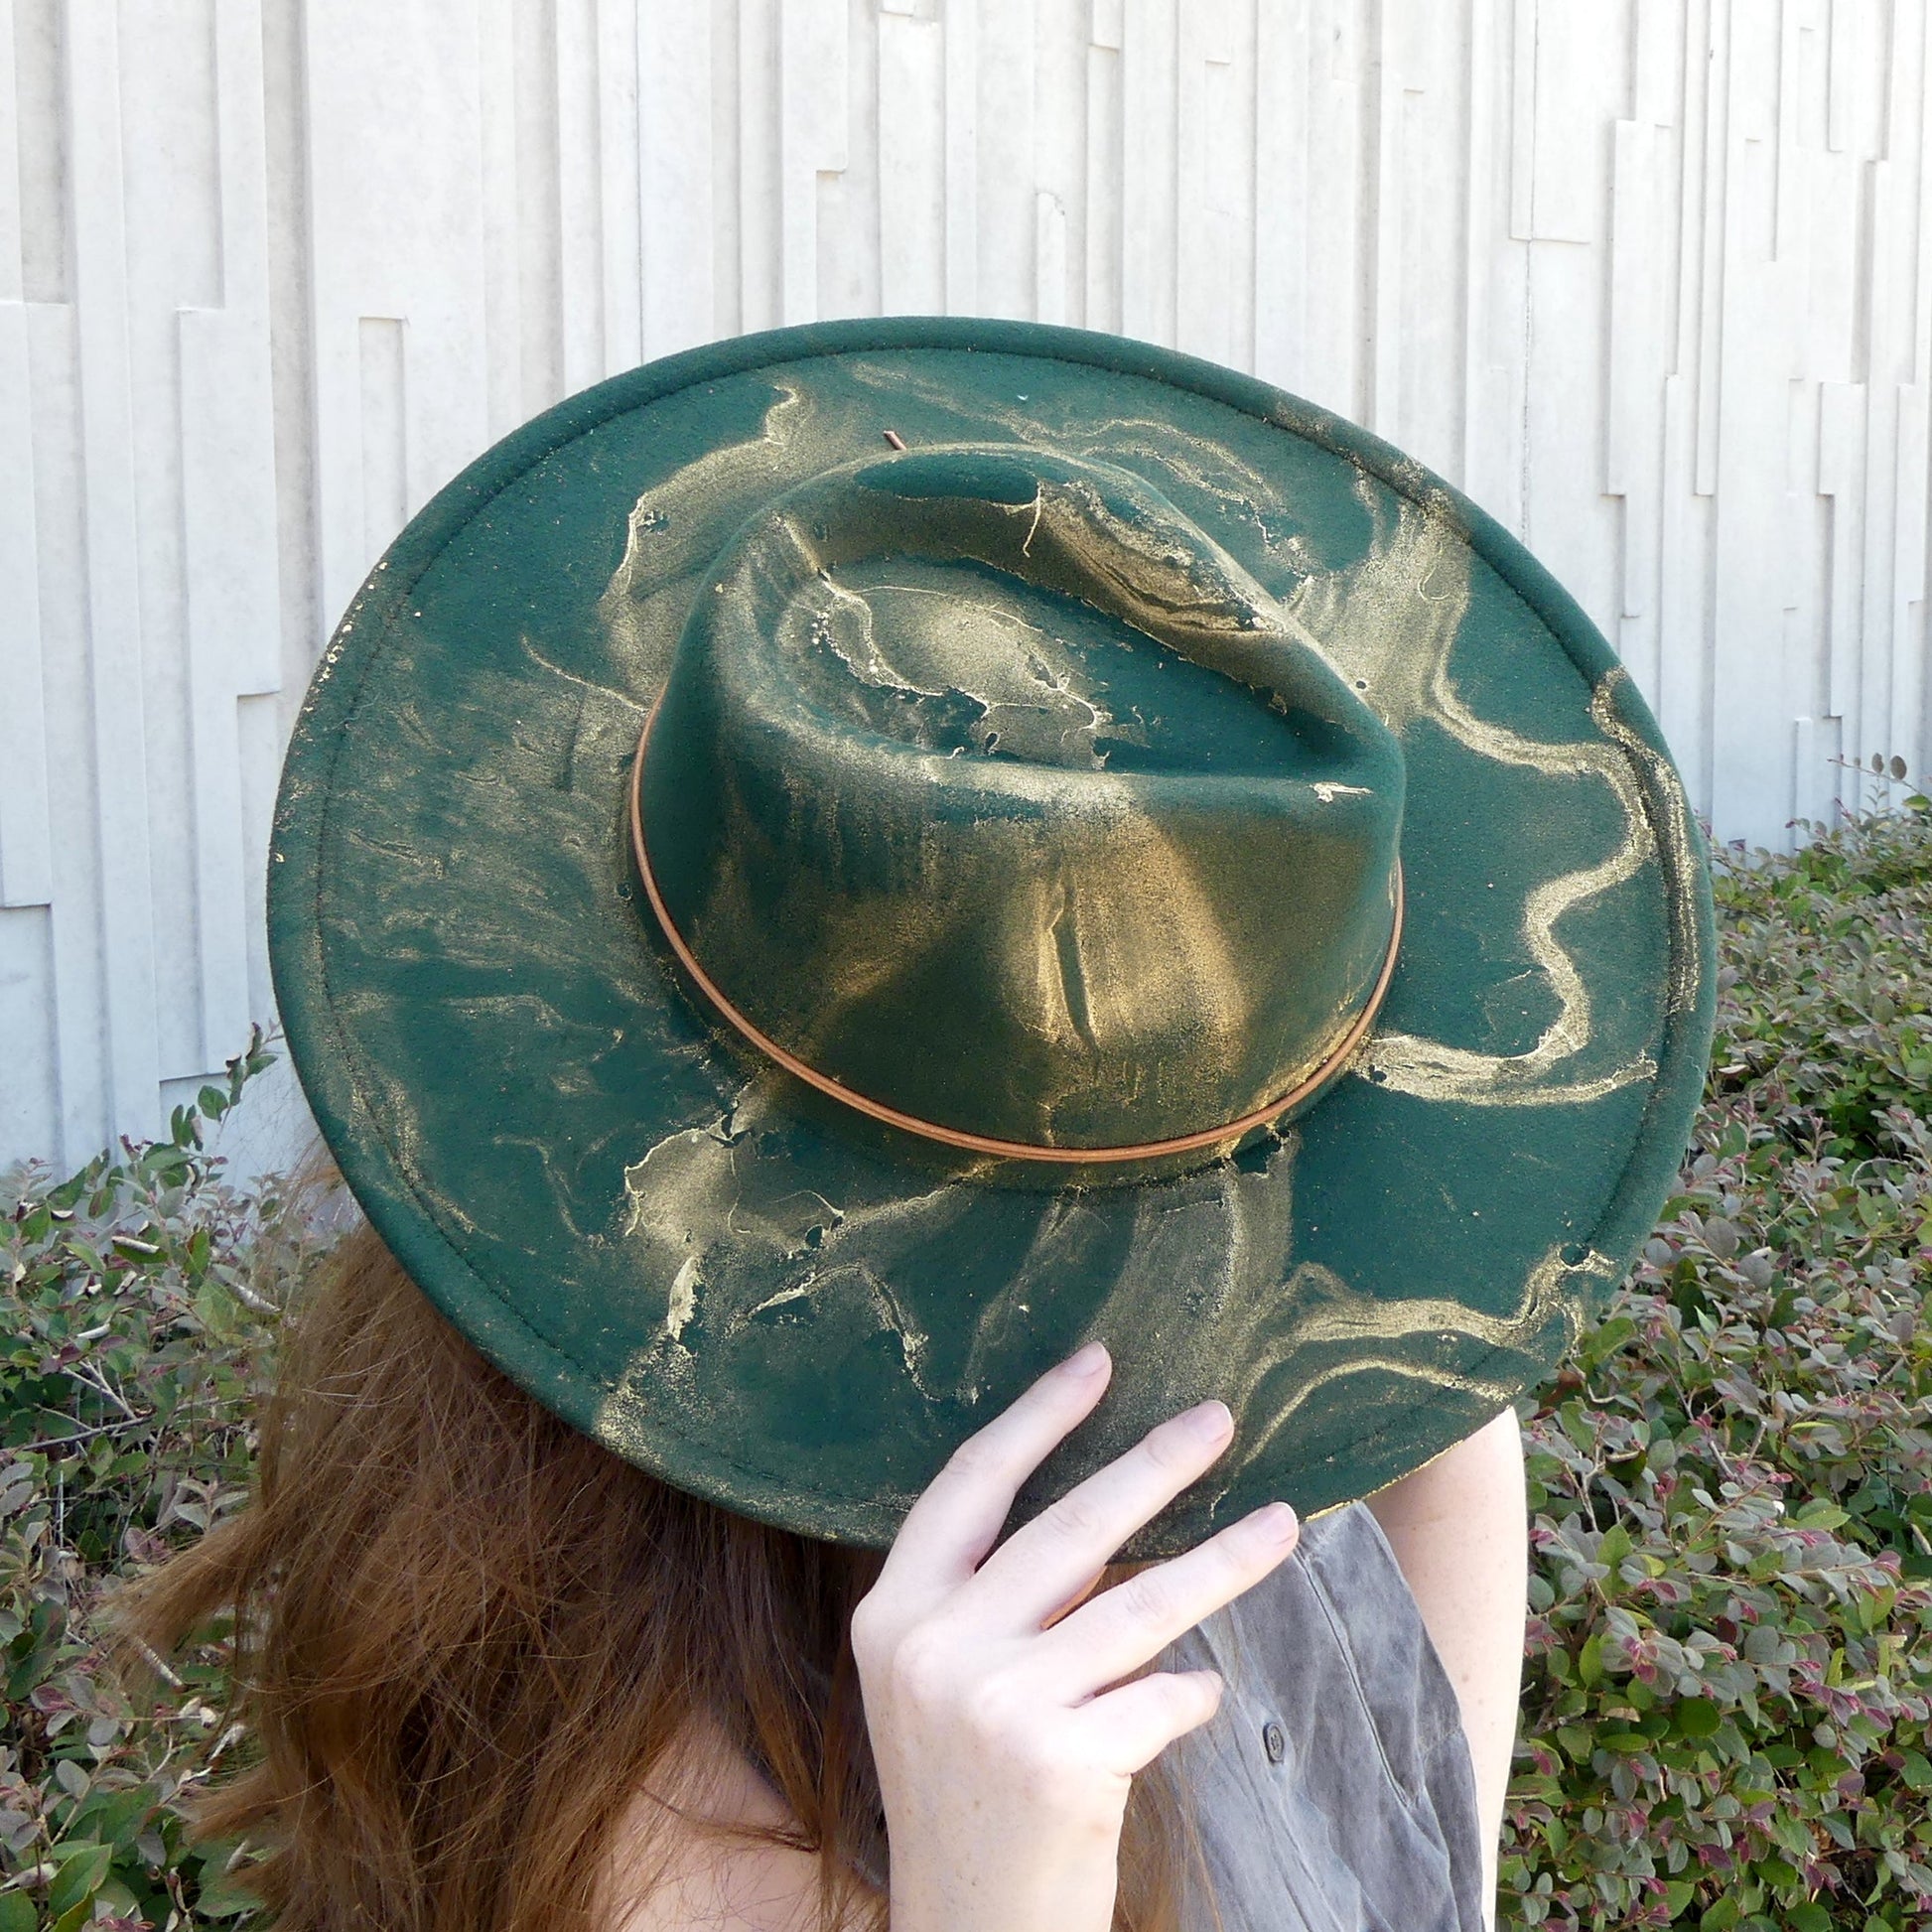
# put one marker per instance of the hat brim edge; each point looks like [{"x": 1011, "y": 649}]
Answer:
[{"x": 396, "y": 1209}]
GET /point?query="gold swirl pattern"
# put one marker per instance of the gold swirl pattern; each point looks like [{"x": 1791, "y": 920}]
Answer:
[
  {"x": 739, "y": 1222},
  {"x": 1391, "y": 622}
]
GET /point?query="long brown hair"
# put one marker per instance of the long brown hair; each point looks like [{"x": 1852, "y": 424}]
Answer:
[{"x": 467, "y": 1637}]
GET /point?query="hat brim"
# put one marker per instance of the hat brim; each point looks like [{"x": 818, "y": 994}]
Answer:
[{"x": 799, "y": 1316}]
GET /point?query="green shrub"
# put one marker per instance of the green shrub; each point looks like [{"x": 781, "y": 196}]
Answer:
[
  {"x": 1731, "y": 1648},
  {"x": 136, "y": 1305},
  {"x": 1725, "y": 1716}
]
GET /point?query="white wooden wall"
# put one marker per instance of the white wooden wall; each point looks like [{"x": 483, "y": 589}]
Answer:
[{"x": 1649, "y": 278}]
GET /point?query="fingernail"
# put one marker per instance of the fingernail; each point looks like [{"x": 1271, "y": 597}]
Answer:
[
  {"x": 1276, "y": 1522},
  {"x": 1086, "y": 1362},
  {"x": 1209, "y": 1420}
]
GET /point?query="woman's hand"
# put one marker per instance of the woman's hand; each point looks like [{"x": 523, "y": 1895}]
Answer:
[{"x": 1003, "y": 1756}]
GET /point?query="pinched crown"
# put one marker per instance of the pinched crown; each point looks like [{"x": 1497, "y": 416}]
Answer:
[{"x": 987, "y": 792}]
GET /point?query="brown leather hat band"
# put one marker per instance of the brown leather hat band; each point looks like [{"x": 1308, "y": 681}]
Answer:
[{"x": 1330, "y": 1062}]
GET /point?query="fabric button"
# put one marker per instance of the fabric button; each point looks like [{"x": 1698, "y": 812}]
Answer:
[{"x": 1274, "y": 1742}]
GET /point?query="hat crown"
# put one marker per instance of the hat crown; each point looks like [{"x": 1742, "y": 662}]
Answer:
[{"x": 987, "y": 786}]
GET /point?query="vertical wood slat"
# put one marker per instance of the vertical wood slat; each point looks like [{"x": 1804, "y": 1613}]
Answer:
[
  {"x": 1006, "y": 191},
  {"x": 234, "y": 613},
  {"x": 1842, "y": 65},
  {"x": 579, "y": 122},
  {"x": 77, "y": 966},
  {"x": 1383, "y": 243},
  {"x": 1681, "y": 553},
  {"x": 1891, "y": 636},
  {"x": 962, "y": 156},
  {"x": 1714, "y": 66},
  {"x": 911, "y": 164},
  {"x": 761, "y": 205},
  {"x": 29, "y": 1104},
  {"x": 1335, "y": 276},
  {"x": 1819, "y": 459},
  {"x": 1209, "y": 252},
  {"x": 1149, "y": 217},
  {"x": 1658, "y": 43},
  {"x": 1582, "y": 59},
  {"x": 1841, "y": 465},
  {"x": 1050, "y": 257},
  {"x": 1280, "y": 237},
  {"x": 1197, "y": 265},
  {"x": 1427, "y": 227},
  {"x": 1062, "y": 122},
  {"x": 499, "y": 186},
  {"x": 1758, "y": 306},
  {"x": 1911, "y": 711},
  {"x": 26, "y": 831},
  {"x": 727, "y": 199},
  {"x": 395, "y": 155},
  {"x": 1638, "y": 362},
  {"x": 516, "y": 78},
  {"x": 812, "y": 134},
  {"x": 343, "y": 533},
  {"x": 1524, "y": 23},
  {"x": 127, "y": 910},
  {"x": 620, "y": 183},
  {"x": 1105, "y": 144},
  {"x": 1904, "y": 714},
  {"x": 676, "y": 214},
  {"x": 28, "y": 1096},
  {"x": 1492, "y": 375}
]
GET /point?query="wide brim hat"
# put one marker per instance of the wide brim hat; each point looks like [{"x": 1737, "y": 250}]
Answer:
[{"x": 823, "y": 873}]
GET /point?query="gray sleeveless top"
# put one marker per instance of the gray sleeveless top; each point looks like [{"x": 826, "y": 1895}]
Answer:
[{"x": 1333, "y": 1790}]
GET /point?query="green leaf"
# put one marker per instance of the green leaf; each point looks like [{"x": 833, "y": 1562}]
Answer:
[
  {"x": 17, "y": 1913},
  {"x": 1915, "y": 1772},
  {"x": 1696, "y": 1716},
  {"x": 1575, "y": 1743},
  {"x": 223, "y": 1897},
  {"x": 116, "y": 1816},
  {"x": 84, "y": 1865},
  {"x": 1808, "y": 1917},
  {"x": 1820, "y": 1515},
  {"x": 1721, "y": 1915},
  {"x": 30, "y": 1671},
  {"x": 1605, "y": 1339}
]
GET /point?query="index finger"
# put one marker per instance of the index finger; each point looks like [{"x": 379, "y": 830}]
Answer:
[{"x": 958, "y": 1517}]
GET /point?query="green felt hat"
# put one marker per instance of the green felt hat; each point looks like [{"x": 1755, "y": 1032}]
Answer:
[{"x": 823, "y": 873}]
